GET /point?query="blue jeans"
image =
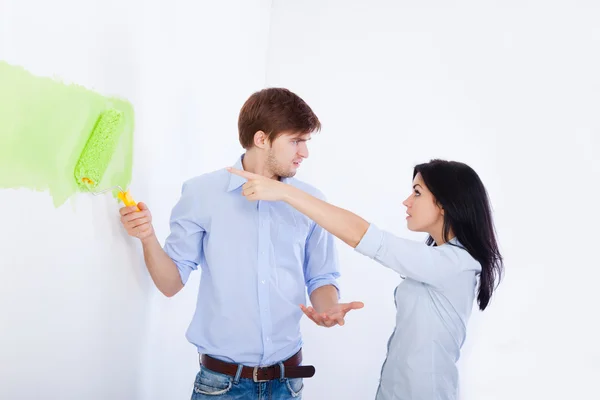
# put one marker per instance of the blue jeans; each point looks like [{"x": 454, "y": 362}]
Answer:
[{"x": 213, "y": 385}]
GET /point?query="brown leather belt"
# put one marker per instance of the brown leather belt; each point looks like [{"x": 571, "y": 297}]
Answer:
[{"x": 292, "y": 369}]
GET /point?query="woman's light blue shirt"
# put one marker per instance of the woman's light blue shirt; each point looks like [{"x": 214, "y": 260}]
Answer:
[{"x": 433, "y": 304}]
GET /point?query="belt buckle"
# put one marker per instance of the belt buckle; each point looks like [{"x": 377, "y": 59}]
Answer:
[{"x": 255, "y": 376}]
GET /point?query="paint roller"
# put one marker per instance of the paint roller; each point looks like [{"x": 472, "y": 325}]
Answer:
[{"x": 98, "y": 152}]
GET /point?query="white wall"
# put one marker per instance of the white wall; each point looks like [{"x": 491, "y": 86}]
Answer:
[
  {"x": 73, "y": 296},
  {"x": 79, "y": 316},
  {"x": 511, "y": 90}
]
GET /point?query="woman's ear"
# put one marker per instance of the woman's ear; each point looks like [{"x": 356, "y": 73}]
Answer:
[{"x": 437, "y": 203}]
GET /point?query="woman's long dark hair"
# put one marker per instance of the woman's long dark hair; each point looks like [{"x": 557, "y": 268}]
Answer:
[{"x": 467, "y": 212}]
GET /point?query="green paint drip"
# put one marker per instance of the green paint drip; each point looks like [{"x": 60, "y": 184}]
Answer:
[{"x": 44, "y": 128}]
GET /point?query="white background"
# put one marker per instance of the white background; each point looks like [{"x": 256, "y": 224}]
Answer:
[{"x": 510, "y": 88}]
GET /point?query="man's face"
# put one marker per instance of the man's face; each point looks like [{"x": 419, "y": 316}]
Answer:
[{"x": 286, "y": 153}]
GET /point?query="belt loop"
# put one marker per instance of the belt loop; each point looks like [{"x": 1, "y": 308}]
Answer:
[
  {"x": 282, "y": 371},
  {"x": 236, "y": 379}
]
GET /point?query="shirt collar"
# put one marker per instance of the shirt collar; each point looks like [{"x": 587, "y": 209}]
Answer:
[
  {"x": 235, "y": 181},
  {"x": 454, "y": 240}
]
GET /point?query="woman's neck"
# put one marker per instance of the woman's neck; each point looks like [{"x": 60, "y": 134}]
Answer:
[{"x": 438, "y": 237}]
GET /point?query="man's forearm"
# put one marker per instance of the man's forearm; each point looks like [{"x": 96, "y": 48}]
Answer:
[
  {"x": 323, "y": 298},
  {"x": 162, "y": 269}
]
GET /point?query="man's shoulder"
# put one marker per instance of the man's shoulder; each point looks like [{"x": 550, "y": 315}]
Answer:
[
  {"x": 306, "y": 187},
  {"x": 208, "y": 182}
]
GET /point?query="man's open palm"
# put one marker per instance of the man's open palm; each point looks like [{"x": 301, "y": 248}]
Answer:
[{"x": 334, "y": 316}]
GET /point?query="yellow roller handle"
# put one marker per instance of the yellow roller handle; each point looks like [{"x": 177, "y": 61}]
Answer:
[{"x": 126, "y": 198}]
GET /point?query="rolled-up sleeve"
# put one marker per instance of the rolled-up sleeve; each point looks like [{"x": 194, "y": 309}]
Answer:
[
  {"x": 321, "y": 265},
  {"x": 184, "y": 243}
]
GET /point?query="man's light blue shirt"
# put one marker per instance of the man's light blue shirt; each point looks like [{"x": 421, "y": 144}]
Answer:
[{"x": 258, "y": 260}]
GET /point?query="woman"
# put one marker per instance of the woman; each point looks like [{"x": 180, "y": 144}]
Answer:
[{"x": 450, "y": 203}]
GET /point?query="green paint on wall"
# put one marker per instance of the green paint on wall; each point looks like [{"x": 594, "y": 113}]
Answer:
[{"x": 44, "y": 126}]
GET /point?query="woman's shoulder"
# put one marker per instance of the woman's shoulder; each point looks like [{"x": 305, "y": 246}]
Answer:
[{"x": 461, "y": 255}]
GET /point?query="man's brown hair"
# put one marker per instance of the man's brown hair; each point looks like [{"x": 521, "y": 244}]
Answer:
[{"x": 274, "y": 111}]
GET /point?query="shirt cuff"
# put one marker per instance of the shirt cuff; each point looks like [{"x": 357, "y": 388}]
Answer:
[
  {"x": 323, "y": 281},
  {"x": 184, "y": 272},
  {"x": 371, "y": 241},
  {"x": 183, "y": 269}
]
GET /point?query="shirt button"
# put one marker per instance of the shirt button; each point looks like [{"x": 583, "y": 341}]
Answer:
[{"x": 263, "y": 282}]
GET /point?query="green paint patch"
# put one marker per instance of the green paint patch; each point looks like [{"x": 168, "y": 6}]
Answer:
[{"x": 44, "y": 127}]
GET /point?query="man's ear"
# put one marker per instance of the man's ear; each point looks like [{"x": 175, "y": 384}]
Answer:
[{"x": 260, "y": 139}]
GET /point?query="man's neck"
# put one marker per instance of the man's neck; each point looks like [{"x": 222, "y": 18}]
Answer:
[{"x": 253, "y": 162}]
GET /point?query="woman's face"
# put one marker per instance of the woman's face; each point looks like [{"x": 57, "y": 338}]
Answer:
[{"x": 424, "y": 215}]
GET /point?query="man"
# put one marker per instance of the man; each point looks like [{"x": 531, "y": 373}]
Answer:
[{"x": 257, "y": 259}]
